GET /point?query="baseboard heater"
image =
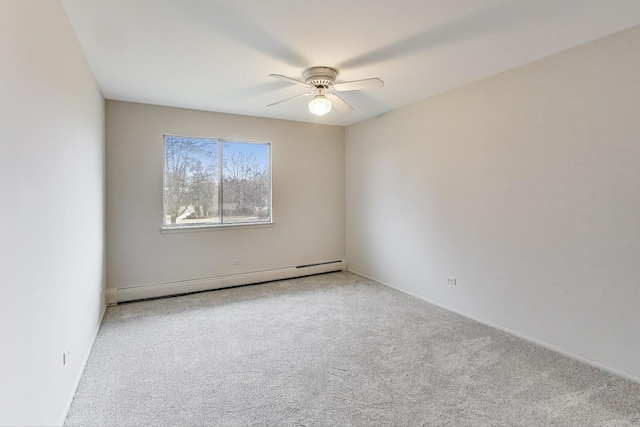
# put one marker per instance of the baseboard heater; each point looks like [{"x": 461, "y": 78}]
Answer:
[{"x": 182, "y": 287}]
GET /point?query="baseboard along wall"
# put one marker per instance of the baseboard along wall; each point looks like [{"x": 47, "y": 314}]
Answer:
[
  {"x": 83, "y": 365},
  {"x": 133, "y": 293},
  {"x": 510, "y": 332}
]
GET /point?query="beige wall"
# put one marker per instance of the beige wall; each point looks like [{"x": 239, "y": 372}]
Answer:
[
  {"x": 308, "y": 197},
  {"x": 52, "y": 219},
  {"x": 526, "y": 188}
]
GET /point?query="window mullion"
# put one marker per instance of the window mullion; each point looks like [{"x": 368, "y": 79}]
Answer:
[{"x": 220, "y": 181}]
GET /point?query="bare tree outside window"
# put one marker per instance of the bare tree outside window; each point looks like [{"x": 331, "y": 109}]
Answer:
[
  {"x": 245, "y": 189},
  {"x": 213, "y": 181}
]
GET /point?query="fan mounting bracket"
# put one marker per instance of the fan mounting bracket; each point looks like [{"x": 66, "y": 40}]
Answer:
[{"x": 324, "y": 77}]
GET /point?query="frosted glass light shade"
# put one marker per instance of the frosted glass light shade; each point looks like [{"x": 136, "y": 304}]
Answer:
[{"x": 320, "y": 105}]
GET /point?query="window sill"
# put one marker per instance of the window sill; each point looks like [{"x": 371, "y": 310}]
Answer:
[{"x": 217, "y": 227}]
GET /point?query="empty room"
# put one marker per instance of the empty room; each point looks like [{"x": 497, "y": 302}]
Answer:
[{"x": 340, "y": 213}]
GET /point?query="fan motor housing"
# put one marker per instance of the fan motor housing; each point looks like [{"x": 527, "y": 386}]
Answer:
[{"x": 320, "y": 76}]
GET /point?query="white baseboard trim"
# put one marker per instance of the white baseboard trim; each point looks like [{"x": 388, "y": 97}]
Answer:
[
  {"x": 83, "y": 365},
  {"x": 510, "y": 332},
  {"x": 132, "y": 293}
]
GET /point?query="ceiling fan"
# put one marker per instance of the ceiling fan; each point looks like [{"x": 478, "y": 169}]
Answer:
[{"x": 321, "y": 82}]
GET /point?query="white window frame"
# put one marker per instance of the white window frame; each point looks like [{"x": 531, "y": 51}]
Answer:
[{"x": 268, "y": 222}]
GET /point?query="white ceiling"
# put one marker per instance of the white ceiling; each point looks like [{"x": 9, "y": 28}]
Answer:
[{"x": 216, "y": 55}]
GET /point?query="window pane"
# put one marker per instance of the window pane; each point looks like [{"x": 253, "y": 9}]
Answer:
[
  {"x": 190, "y": 178},
  {"x": 246, "y": 183}
]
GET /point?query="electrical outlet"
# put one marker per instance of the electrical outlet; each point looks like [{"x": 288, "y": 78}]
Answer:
[
  {"x": 451, "y": 281},
  {"x": 235, "y": 262}
]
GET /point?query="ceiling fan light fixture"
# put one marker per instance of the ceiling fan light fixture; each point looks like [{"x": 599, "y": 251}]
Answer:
[
  {"x": 320, "y": 105},
  {"x": 322, "y": 82}
]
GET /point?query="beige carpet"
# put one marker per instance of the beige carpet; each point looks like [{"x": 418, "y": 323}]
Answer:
[{"x": 334, "y": 349}]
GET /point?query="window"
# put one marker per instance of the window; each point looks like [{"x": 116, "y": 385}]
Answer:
[{"x": 210, "y": 182}]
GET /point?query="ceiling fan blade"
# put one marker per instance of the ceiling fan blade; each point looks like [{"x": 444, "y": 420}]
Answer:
[
  {"x": 359, "y": 85},
  {"x": 289, "y": 99},
  {"x": 340, "y": 104},
  {"x": 287, "y": 79}
]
